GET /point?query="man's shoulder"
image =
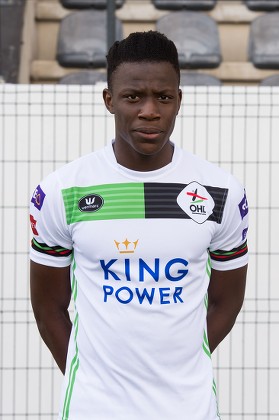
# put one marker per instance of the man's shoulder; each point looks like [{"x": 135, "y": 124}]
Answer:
[
  {"x": 80, "y": 165},
  {"x": 205, "y": 168},
  {"x": 78, "y": 171},
  {"x": 82, "y": 160}
]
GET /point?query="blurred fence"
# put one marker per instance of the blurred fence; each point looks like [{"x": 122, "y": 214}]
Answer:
[{"x": 43, "y": 127}]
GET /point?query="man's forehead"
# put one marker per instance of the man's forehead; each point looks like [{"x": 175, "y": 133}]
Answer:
[
  {"x": 127, "y": 65},
  {"x": 143, "y": 71}
]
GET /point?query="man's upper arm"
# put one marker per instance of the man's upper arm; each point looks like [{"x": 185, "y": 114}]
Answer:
[
  {"x": 50, "y": 288},
  {"x": 225, "y": 298},
  {"x": 50, "y": 297},
  {"x": 228, "y": 287}
]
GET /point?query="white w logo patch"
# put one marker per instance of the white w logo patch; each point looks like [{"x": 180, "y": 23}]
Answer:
[{"x": 90, "y": 201}]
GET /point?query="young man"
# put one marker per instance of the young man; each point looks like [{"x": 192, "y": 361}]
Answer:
[{"x": 150, "y": 241}]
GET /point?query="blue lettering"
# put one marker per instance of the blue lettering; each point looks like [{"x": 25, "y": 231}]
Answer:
[
  {"x": 143, "y": 266},
  {"x": 128, "y": 299},
  {"x": 127, "y": 269},
  {"x": 177, "y": 293},
  {"x": 125, "y": 295},
  {"x": 182, "y": 273},
  {"x": 144, "y": 294},
  {"x": 171, "y": 273},
  {"x": 108, "y": 290},
  {"x": 164, "y": 293},
  {"x": 106, "y": 267}
]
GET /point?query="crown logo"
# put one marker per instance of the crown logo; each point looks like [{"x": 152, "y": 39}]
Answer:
[{"x": 126, "y": 247}]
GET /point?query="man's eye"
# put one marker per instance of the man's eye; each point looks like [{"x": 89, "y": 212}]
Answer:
[
  {"x": 164, "y": 98},
  {"x": 132, "y": 97}
]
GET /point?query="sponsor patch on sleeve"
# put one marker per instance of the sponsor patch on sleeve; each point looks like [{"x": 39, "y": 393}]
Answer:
[
  {"x": 243, "y": 206},
  {"x": 33, "y": 224},
  {"x": 38, "y": 198},
  {"x": 244, "y": 233}
]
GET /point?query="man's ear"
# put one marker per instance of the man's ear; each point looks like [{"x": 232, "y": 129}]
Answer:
[
  {"x": 179, "y": 99},
  {"x": 107, "y": 96}
]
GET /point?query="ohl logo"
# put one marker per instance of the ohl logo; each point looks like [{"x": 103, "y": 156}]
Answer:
[
  {"x": 196, "y": 199},
  {"x": 196, "y": 202}
]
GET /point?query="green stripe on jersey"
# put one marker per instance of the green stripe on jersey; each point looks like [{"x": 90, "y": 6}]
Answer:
[
  {"x": 75, "y": 361},
  {"x": 208, "y": 266},
  {"x": 205, "y": 345},
  {"x": 120, "y": 201}
]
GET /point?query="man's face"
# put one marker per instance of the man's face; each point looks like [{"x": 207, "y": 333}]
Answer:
[{"x": 145, "y": 99}]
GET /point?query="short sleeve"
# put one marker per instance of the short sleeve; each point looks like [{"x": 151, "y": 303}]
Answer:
[
  {"x": 51, "y": 244},
  {"x": 228, "y": 248}
]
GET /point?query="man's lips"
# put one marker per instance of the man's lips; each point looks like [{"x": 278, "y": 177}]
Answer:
[
  {"x": 148, "y": 130},
  {"x": 148, "y": 133}
]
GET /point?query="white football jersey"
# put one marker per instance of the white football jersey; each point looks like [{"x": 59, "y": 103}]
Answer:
[{"x": 141, "y": 246}]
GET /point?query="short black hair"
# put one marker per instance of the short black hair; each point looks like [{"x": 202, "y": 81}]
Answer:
[{"x": 150, "y": 46}]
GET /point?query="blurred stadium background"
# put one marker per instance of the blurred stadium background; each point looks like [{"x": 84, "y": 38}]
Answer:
[{"x": 51, "y": 112}]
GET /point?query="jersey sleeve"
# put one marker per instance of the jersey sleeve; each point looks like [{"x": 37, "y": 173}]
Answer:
[
  {"x": 228, "y": 249},
  {"x": 51, "y": 244}
]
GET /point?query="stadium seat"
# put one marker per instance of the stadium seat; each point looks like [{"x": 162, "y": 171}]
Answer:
[
  {"x": 196, "y": 37},
  {"x": 90, "y": 77},
  {"x": 263, "y": 45},
  {"x": 198, "y": 79},
  {"x": 11, "y": 27},
  {"x": 82, "y": 39},
  {"x": 262, "y": 5},
  {"x": 184, "y": 4},
  {"x": 86, "y": 4},
  {"x": 270, "y": 81}
]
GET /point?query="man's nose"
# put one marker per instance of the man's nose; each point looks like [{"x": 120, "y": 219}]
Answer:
[{"x": 149, "y": 109}]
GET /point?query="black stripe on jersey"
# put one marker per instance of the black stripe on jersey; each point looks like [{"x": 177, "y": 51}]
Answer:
[
  {"x": 219, "y": 196},
  {"x": 161, "y": 201}
]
